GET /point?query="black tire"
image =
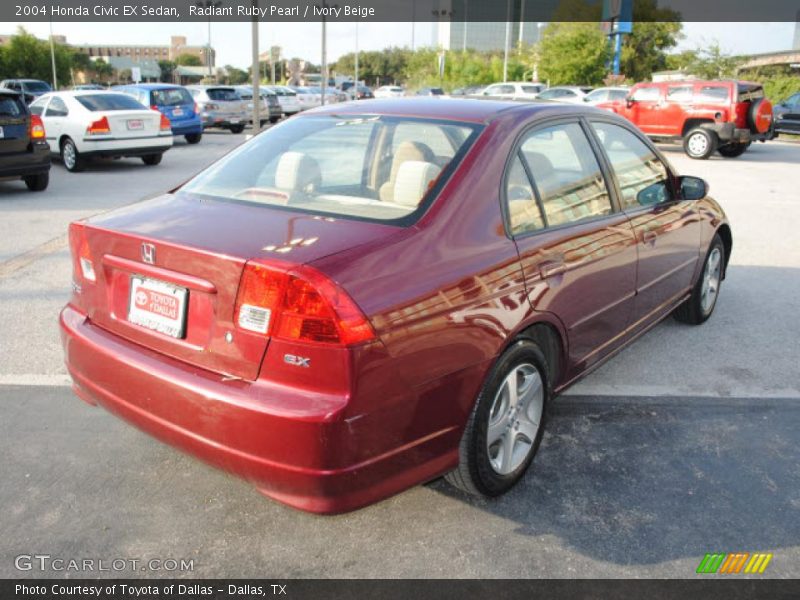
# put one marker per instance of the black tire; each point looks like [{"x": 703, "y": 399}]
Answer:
[
  {"x": 38, "y": 182},
  {"x": 693, "y": 311},
  {"x": 732, "y": 150},
  {"x": 70, "y": 157},
  {"x": 700, "y": 143},
  {"x": 475, "y": 473},
  {"x": 237, "y": 128},
  {"x": 193, "y": 138},
  {"x": 152, "y": 160}
]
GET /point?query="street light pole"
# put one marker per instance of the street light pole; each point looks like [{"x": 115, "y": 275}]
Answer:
[
  {"x": 324, "y": 68},
  {"x": 256, "y": 74},
  {"x": 209, "y": 5},
  {"x": 356, "y": 82},
  {"x": 508, "y": 36},
  {"x": 53, "y": 56}
]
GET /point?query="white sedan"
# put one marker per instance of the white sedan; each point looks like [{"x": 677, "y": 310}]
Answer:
[
  {"x": 572, "y": 94},
  {"x": 84, "y": 124},
  {"x": 390, "y": 91}
]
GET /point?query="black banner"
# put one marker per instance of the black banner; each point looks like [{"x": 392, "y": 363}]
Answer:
[
  {"x": 711, "y": 588},
  {"x": 390, "y": 10}
]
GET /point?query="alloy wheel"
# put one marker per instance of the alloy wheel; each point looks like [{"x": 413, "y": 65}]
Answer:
[
  {"x": 69, "y": 156},
  {"x": 514, "y": 418},
  {"x": 711, "y": 278}
]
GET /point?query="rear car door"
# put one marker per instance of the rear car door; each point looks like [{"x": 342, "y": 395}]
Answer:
[
  {"x": 55, "y": 121},
  {"x": 667, "y": 230},
  {"x": 577, "y": 252}
]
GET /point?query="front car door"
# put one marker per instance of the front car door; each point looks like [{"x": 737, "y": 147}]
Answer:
[
  {"x": 577, "y": 252},
  {"x": 667, "y": 229},
  {"x": 646, "y": 108}
]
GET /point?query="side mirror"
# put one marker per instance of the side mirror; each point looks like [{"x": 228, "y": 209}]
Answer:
[
  {"x": 692, "y": 188},
  {"x": 629, "y": 101}
]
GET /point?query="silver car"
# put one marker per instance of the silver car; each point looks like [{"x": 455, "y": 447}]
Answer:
[{"x": 220, "y": 106}]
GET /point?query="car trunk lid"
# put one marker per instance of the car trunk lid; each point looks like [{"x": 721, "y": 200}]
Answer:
[
  {"x": 133, "y": 123},
  {"x": 200, "y": 246}
]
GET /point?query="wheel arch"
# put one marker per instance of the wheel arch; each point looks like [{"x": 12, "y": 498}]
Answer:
[
  {"x": 724, "y": 232},
  {"x": 690, "y": 124},
  {"x": 552, "y": 342}
]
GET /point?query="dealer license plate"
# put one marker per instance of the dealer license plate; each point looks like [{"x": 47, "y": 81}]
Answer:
[{"x": 158, "y": 306}]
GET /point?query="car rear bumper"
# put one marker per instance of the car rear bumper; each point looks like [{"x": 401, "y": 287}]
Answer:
[
  {"x": 26, "y": 163},
  {"x": 223, "y": 120},
  {"x": 787, "y": 126},
  {"x": 187, "y": 127},
  {"x": 152, "y": 144},
  {"x": 289, "y": 443}
]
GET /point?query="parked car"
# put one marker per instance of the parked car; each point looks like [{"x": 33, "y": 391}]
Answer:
[
  {"x": 306, "y": 98},
  {"x": 787, "y": 115},
  {"x": 512, "y": 89},
  {"x": 606, "y": 94},
  {"x": 390, "y": 91},
  {"x": 709, "y": 116},
  {"x": 88, "y": 86},
  {"x": 470, "y": 90},
  {"x": 269, "y": 108},
  {"x": 24, "y": 152},
  {"x": 29, "y": 88},
  {"x": 360, "y": 92},
  {"x": 220, "y": 106},
  {"x": 430, "y": 91},
  {"x": 336, "y": 326},
  {"x": 87, "y": 124},
  {"x": 173, "y": 101},
  {"x": 572, "y": 94},
  {"x": 287, "y": 98}
]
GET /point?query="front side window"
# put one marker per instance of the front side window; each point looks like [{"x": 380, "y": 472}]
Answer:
[
  {"x": 642, "y": 177},
  {"x": 372, "y": 167},
  {"x": 566, "y": 174},
  {"x": 647, "y": 94}
]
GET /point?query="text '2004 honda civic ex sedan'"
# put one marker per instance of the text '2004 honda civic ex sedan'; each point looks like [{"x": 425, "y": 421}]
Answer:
[{"x": 372, "y": 295}]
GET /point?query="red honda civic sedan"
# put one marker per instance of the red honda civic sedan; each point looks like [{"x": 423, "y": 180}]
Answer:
[{"x": 371, "y": 295}]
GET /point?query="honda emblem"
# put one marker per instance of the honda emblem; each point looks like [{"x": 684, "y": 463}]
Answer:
[{"x": 148, "y": 253}]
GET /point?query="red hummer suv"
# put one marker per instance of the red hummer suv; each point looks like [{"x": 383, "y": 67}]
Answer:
[{"x": 709, "y": 116}]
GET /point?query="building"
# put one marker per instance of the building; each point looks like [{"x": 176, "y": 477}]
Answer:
[
  {"x": 484, "y": 35},
  {"x": 176, "y": 48}
]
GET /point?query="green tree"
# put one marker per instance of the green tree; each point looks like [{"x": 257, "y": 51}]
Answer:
[
  {"x": 167, "y": 70},
  {"x": 26, "y": 56},
  {"x": 573, "y": 53},
  {"x": 188, "y": 60},
  {"x": 236, "y": 76},
  {"x": 713, "y": 63}
]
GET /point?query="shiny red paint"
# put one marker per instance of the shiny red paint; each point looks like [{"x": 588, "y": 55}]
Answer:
[{"x": 445, "y": 297}]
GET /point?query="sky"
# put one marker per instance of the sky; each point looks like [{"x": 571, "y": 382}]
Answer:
[{"x": 233, "y": 43}]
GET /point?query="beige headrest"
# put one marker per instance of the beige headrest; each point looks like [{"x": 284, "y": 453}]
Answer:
[
  {"x": 297, "y": 171},
  {"x": 413, "y": 180}
]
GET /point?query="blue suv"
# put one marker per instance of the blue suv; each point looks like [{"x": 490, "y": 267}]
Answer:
[{"x": 173, "y": 101}]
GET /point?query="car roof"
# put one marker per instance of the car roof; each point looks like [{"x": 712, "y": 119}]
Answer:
[
  {"x": 151, "y": 86},
  {"x": 450, "y": 109}
]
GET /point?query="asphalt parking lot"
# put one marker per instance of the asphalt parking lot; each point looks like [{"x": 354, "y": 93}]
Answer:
[{"x": 687, "y": 442}]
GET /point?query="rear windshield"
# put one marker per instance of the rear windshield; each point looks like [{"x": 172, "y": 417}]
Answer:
[
  {"x": 171, "y": 97},
  {"x": 372, "y": 167},
  {"x": 11, "y": 106},
  {"x": 223, "y": 94},
  {"x": 36, "y": 86},
  {"x": 98, "y": 102}
]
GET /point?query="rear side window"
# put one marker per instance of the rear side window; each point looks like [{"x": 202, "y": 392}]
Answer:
[
  {"x": 171, "y": 97},
  {"x": 641, "y": 176},
  {"x": 566, "y": 174},
  {"x": 99, "y": 102},
  {"x": 56, "y": 108},
  {"x": 11, "y": 106},
  {"x": 223, "y": 94},
  {"x": 679, "y": 93},
  {"x": 37, "y": 86},
  {"x": 712, "y": 93},
  {"x": 524, "y": 214}
]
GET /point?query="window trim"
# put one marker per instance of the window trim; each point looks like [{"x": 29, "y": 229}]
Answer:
[
  {"x": 575, "y": 118},
  {"x": 671, "y": 176}
]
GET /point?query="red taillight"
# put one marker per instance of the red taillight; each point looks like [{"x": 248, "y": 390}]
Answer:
[
  {"x": 298, "y": 304},
  {"x": 196, "y": 109},
  {"x": 99, "y": 127},
  {"x": 36, "y": 131},
  {"x": 165, "y": 124},
  {"x": 81, "y": 255}
]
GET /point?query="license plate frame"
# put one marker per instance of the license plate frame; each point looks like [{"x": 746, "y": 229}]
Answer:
[{"x": 158, "y": 306}]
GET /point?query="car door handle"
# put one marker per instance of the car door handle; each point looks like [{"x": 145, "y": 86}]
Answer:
[
  {"x": 551, "y": 269},
  {"x": 649, "y": 237}
]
